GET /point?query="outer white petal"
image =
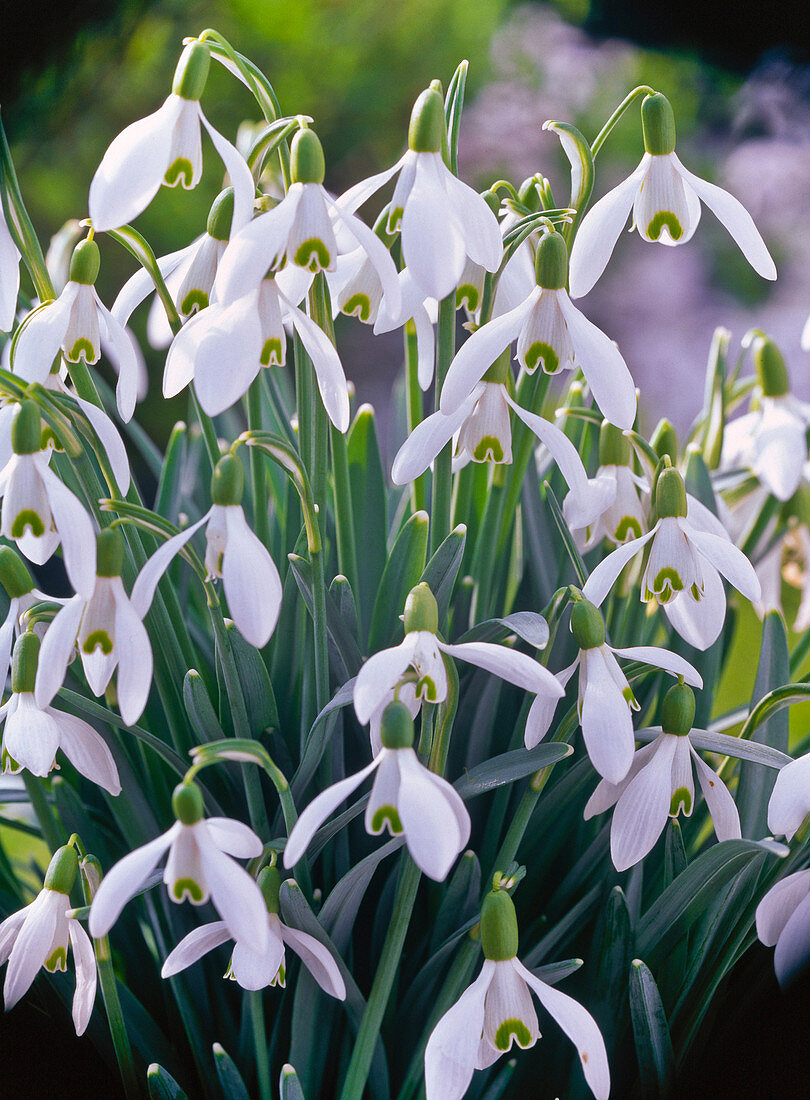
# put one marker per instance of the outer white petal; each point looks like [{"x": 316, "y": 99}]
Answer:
[
  {"x": 699, "y": 622},
  {"x": 244, "y": 189},
  {"x": 662, "y": 658},
  {"x": 579, "y": 1026},
  {"x": 256, "y": 971},
  {"x": 641, "y": 812},
  {"x": 380, "y": 674},
  {"x": 143, "y": 591},
  {"x": 124, "y": 880},
  {"x": 722, "y": 807},
  {"x": 180, "y": 363},
  {"x": 40, "y": 340},
  {"x": 317, "y": 812},
  {"x": 33, "y": 944},
  {"x": 140, "y": 285},
  {"x": 31, "y": 736},
  {"x": 318, "y": 961},
  {"x": 356, "y": 196},
  {"x": 478, "y": 354},
  {"x": 602, "y": 364},
  {"x": 9, "y": 930},
  {"x": 84, "y": 960},
  {"x": 608, "y": 794},
  {"x": 793, "y": 946},
  {"x": 512, "y": 666},
  {"x": 57, "y": 649},
  {"x": 703, "y": 518},
  {"x": 132, "y": 169},
  {"x": 542, "y": 709},
  {"x": 135, "y": 662},
  {"x": 193, "y": 946},
  {"x": 607, "y": 724},
  {"x": 600, "y": 582},
  {"x": 251, "y": 581},
  {"x": 427, "y": 440},
  {"x": 378, "y": 254},
  {"x": 452, "y": 1048},
  {"x": 482, "y": 234},
  {"x": 726, "y": 559},
  {"x": 433, "y": 245},
  {"x": 790, "y": 798},
  {"x": 231, "y": 335},
  {"x": 255, "y": 249},
  {"x": 428, "y": 821},
  {"x": 776, "y": 908},
  {"x": 75, "y": 531},
  {"x": 121, "y": 351},
  {"x": 328, "y": 368},
  {"x": 233, "y": 837},
  {"x": 110, "y": 440},
  {"x": 86, "y": 750},
  {"x": 236, "y": 897},
  {"x": 600, "y": 230},
  {"x": 735, "y": 218}
]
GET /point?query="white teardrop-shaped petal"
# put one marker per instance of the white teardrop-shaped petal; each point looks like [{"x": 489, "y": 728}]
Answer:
[
  {"x": 778, "y": 905},
  {"x": 86, "y": 750},
  {"x": 452, "y": 1048},
  {"x": 790, "y": 799},
  {"x": 318, "y": 961},
  {"x": 317, "y": 812},
  {"x": 642, "y": 810},
  {"x": 84, "y": 961},
  {"x": 124, "y": 880},
  {"x": 380, "y": 674},
  {"x": 193, "y": 946}
]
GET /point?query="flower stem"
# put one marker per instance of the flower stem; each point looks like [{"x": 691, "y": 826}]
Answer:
[
  {"x": 443, "y": 466},
  {"x": 415, "y": 410},
  {"x": 260, "y": 1044},
  {"x": 261, "y": 520},
  {"x": 51, "y": 833},
  {"x": 604, "y": 133}
]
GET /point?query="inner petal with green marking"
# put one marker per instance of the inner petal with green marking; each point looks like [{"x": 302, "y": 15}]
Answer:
[
  {"x": 187, "y": 887},
  {"x": 82, "y": 349},
  {"x": 99, "y": 639},
  {"x": 541, "y": 353},
  {"x": 667, "y": 584},
  {"x": 193, "y": 301},
  {"x": 181, "y": 171},
  {"x": 27, "y": 519},
  {"x": 665, "y": 219},
  {"x": 272, "y": 353},
  {"x": 386, "y": 816},
  {"x": 510, "y": 1028},
  {"x": 681, "y": 801},
  {"x": 488, "y": 448},
  {"x": 426, "y": 689},
  {"x": 627, "y": 528},
  {"x": 313, "y": 255},
  {"x": 359, "y": 305}
]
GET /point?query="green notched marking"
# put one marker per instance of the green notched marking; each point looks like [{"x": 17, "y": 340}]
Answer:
[
  {"x": 99, "y": 639},
  {"x": 666, "y": 584},
  {"x": 538, "y": 352},
  {"x": 489, "y": 448},
  {"x": 665, "y": 218},
  {"x": 82, "y": 349},
  {"x": 467, "y": 295},
  {"x": 383, "y": 814},
  {"x": 193, "y": 301},
  {"x": 312, "y": 254},
  {"x": 57, "y": 961},
  {"x": 187, "y": 887},
  {"x": 503, "y": 1036},
  {"x": 628, "y": 526},
  {"x": 426, "y": 689},
  {"x": 272, "y": 353},
  {"x": 27, "y": 518},
  {"x": 179, "y": 172},
  {"x": 681, "y": 800},
  {"x": 359, "y": 305}
]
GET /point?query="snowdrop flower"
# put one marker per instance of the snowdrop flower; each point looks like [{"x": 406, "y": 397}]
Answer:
[
  {"x": 660, "y": 784},
  {"x": 516, "y": 281},
  {"x": 38, "y": 511},
  {"x": 33, "y": 733},
  {"x": 109, "y": 634},
  {"x": 305, "y": 229},
  {"x": 443, "y": 222},
  {"x": 790, "y": 798},
  {"x": 423, "y": 652},
  {"x": 249, "y": 575},
  {"x": 550, "y": 331},
  {"x": 689, "y": 552},
  {"x": 78, "y": 323},
  {"x": 257, "y": 971},
  {"x": 199, "y": 866},
  {"x": 9, "y": 277},
  {"x": 665, "y": 199},
  {"x": 22, "y": 595},
  {"x": 406, "y": 799},
  {"x": 605, "y": 699},
  {"x": 497, "y": 1011},
  {"x": 788, "y": 558},
  {"x": 772, "y": 439},
  {"x": 783, "y": 919},
  {"x": 38, "y": 935},
  {"x": 404, "y": 693},
  {"x": 165, "y": 148},
  {"x": 623, "y": 517}
]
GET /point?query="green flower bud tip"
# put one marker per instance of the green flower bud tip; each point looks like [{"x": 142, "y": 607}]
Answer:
[
  {"x": 307, "y": 164},
  {"x": 26, "y": 429},
  {"x": 427, "y": 128},
  {"x": 670, "y": 494},
  {"x": 228, "y": 481},
  {"x": 587, "y": 625},
  {"x": 187, "y": 803},
  {"x": 220, "y": 216},
  {"x": 85, "y": 262},
  {"x": 678, "y": 710},
  {"x": 551, "y": 261},
  {"x": 499, "y": 930},
  {"x": 396, "y": 728},
  {"x": 14, "y": 575},
  {"x": 109, "y": 552},
  {"x": 770, "y": 367},
  {"x": 192, "y": 71},
  {"x": 24, "y": 663},
  {"x": 270, "y": 883},
  {"x": 664, "y": 441},
  {"x": 658, "y": 125},
  {"x": 421, "y": 610},
  {"x": 614, "y": 446},
  {"x": 61, "y": 873}
]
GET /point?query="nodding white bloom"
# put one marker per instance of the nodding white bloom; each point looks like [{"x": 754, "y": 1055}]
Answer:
[
  {"x": 423, "y": 652},
  {"x": 605, "y": 699},
  {"x": 38, "y": 935},
  {"x": 39, "y": 512},
  {"x": 22, "y": 595},
  {"x": 665, "y": 200},
  {"x": 550, "y": 331},
  {"x": 199, "y": 866},
  {"x": 515, "y": 282},
  {"x": 624, "y": 516},
  {"x": 248, "y": 333},
  {"x": 78, "y": 324},
  {"x": 109, "y": 634},
  {"x": 249, "y": 575},
  {"x": 790, "y": 799},
  {"x": 165, "y": 148},
  {"x": 443, "y": 222},
  {"x": 252, "y": 970},
  {"x": 660, "y": 784},
  {"x": 189, "y": 275},
  {"x": 771, "y": 440},
  {"x": 307, "y": 229},
  {"x": 689, "y": 552},
  {"x": 32, "y": 733},
  {"x": 497, "y": 1011},
  {"x": 406, "y": 799},
  {"x": 9, "y": 277},
  {"x": 783, "y": 919},
  {"x": 403, "y": 693}
]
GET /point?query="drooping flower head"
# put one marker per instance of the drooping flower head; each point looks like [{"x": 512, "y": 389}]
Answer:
[
  {"x": 624, "y": 515},
  {"x": 22, "y": 595}
]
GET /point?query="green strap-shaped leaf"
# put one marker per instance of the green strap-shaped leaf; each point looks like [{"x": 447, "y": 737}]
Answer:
[
  {"x": 508, "y": 767},
  {"x": 441, "y": 571},
  {"x": 169, "y": 491},
  {"x": 161, "y": 1084},
  {"x": 402, "y": 572},
  {"x": 611, "y": 953},
  {"x": 199, "y": 708},
  {"x": 344, "y": 654},
  {"x": 528, "y": 625},
  {"x": 289, "y": 1087},
  {"x": 260, "y": 699},
  {"x": 230, "y": 1079},
  {"x": 656, "y": 1058},
  {"x": 369, "y": 516},
  {"x": 461, "y": 899}
]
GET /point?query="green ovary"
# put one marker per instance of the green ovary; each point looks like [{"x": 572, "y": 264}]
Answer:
[
  {"x": 666, "y": 584},
  {"x": 538, "y": 352},
  {"x": 187, "y": 887},
  {"x": 488, "y": 447},
  {"x": 194, "y": 300},
  {"x": 681, "y": 800},
  {"x": 57, "y": 961},
  {"x": 272, "y": 353},
  {"x": 99, "y": 639},
  {"x": 627, "y": 527},
  {"x": 24, "y": 519},
  {"x": 383, "y": 814},
  {"x": 82, "y": 349},
  {"x": 665, "y": 219},
  {"x": 179, "y": 172},
  {"x": 358, "y": 306},
  {"x": 503, "y": 1036},
  {"x": 312, "y": 254}
]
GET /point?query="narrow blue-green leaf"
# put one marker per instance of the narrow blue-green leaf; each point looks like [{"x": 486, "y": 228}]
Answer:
[
  {"x": 289, "y": 1087},
  {"x": 565, "y": 929},
  {"x": 656, "y": 1058},
  {"x": 441, "y": 571},
  {"x": 697, "y": 478},
  {"x": 528, "y": 625},
  {"x": 402, "y": 572},
  {"x": 340, "y": 592},
  {"x": 726, "y": 745},
  {"x": 565, "y": 535},
  {"x": 674, "y": 851},
  {"x": 344, "y": 654},
  {"x": 318, "y": 737},
  {"x": 260, "y": 699},
  {"x": 755, "y": 784},
  {"x": 230, "y": 1079},
  {"x": 169, "y": 490},
  {"x": 161, "y": 1084},
  {"x": 461, "y": 899},
  {"x": 611, "y": 951},
  {"x": 340, "y": 909},
  {"x": 508, "y": 767},
  {"x": 367, "y": 482},
  {"x": 200, "y": 710},
  {"x": 552, "y": 973}
]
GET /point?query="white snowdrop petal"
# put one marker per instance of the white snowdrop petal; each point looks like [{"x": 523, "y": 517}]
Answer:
[
  {"x": 33, "y": 944},
  {"x": 31, "y": 736},
  {"x": 482, "y": 234},
  {"x": 605, "y": 575},
  {"x": 124, "y": 880},
  {"x": 254, "y": 970},
  {"x": 251, "y": 581},
  {"x": 135, "y": 662},
  {"x": 317, "y": 959},
  {"x": 511, "y": 665},
  {"x": 317, "y": 812},
  {"x": 255, "y": 249},
  {"x": 236, "y": 897},
  {"x": 9, "y": 277},
  {"x": 86, "y": 750},
  {"x": 233, "y": 837},
  {"x": 780, "y": 902},
  {"x": 193, "y": 946},
  {"x": 642, "y": 810},
  {"x": 790, "y": 798},
  {"x": 608, "y": 794},
  {"x": 75, "y": 531},
  {"x": 328, "y": 368},
  {"x": 110, "y": 440},
  {"x": 541, "y": 712},
  {"x": 607, "y": 725},
  {"x": 380, "y": 674},
  {"x": 121, "y": 352},
  {"x": 426, "y": 441},
  {"x": 726, "y": 559},
  {"x": 662, "y": 658},
  {"x": 432, "y": 236},
  {"x": 84, "y": 961},
  {"x": 57, "y": 648},
  {"x": 244, "y": 189},
  {"x": 41, "y": 338},
  {"x": 722, "y": 807},
  {"x": 793, "y": 946},
  {"x": 429, "y": 823},
  {"x": 452, "y": 1048},
  {"x": 143, "y": 591},
  {"x": 699, "y": 622}
]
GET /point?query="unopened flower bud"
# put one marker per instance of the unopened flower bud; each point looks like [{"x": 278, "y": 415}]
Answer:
[
  {"x": 269, "y": 881},
  {"x": 307, "y": 164},
  {"x": 228, "y": 481},
  {"x": 421, "y": 610},
  {"x": 109, "y": 552},
  {"x": 678, "y": 710},
  {"x": 192, "y": 71},
  {"x": 426, "y": 131},
  {"x": 670, "y": 494},
  {"x": 14, "y": 575},
  {"x": 664, "y": 441},
  {"x": 85, "y": 262},
  {"x": 187, "y": 803},
  {"x": 587, "y": 625},
  {"x": 26, "y": 429},
  {"x": 499, "y": 930},
  {"x": 551, "y": 262},
  {"x": 220, "y": 216},
  {"x": 24, "y": 663},
  {"x": 61, "y": 873},
  {"x": 614, "y": 446},
  {"x": 658, "y": 125},
  {"x": 770, "y": 367},
  {"x": 396, "y": 727}
]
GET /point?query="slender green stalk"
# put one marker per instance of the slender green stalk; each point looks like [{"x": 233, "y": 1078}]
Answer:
[
  {"x": 442, "y": 467},
  {"x": 415, "y": 410},
  {"x": 19, "y": 223},
  {"x": 208, "y": 431},
  {"x": 49, "y": 826},
  {"x": 344, "y": 520},
  {"x": 366, "y": 1039},
  {"x": 604, "y": 133},
  {"x": 256, "y": 1001},
  {"x": 261, "y": 519},
  {"x": 115, "y": 1019}
]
